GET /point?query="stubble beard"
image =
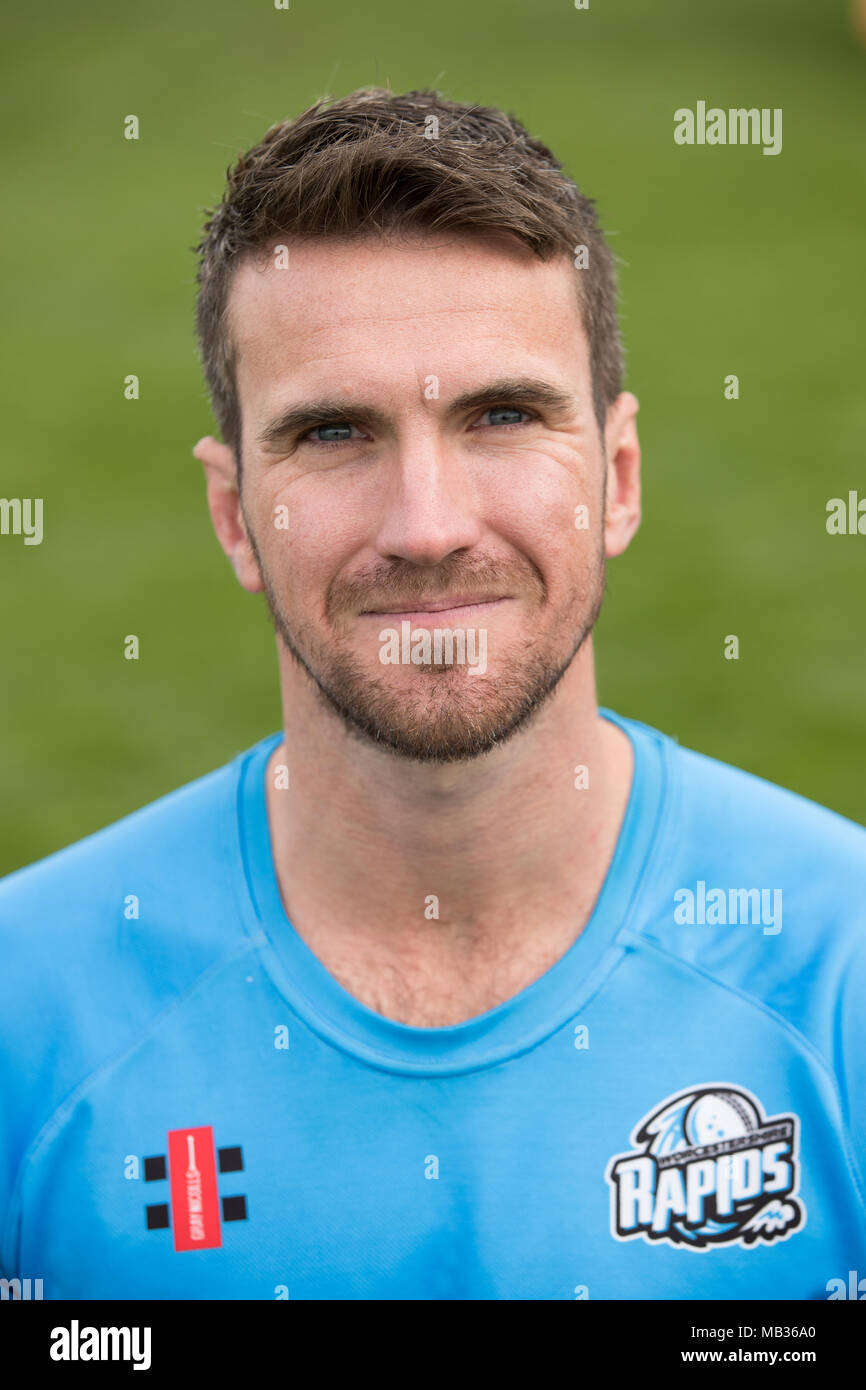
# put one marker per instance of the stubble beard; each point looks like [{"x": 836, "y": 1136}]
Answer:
[{"x": 456, "y": 716}]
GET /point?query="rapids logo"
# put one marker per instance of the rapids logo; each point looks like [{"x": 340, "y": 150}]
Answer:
[{"x": 708, "y": 1168}]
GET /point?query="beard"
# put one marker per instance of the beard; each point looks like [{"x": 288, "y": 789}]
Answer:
[{"x": 450, "y": 716}]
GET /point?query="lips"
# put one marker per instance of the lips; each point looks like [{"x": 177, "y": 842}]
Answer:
[{"x": 437, "y": 605}]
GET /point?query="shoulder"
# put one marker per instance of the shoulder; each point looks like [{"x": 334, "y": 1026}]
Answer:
[
  {"x": 722, "y": 819},
  {"x": 71, "y": 900},
  {"x": 764, "y": 892},
  {"x": 758, "y": 823},
  {"x": 98, "y": 938}
]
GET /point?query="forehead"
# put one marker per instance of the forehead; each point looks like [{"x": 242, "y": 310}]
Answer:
[{"x": 371, "y": 310}]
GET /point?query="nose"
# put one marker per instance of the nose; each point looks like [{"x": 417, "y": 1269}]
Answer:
[{"x": 431, "y": 503}]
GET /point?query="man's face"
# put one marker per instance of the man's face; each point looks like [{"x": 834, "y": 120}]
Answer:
[{"x": 441, "y": 448}]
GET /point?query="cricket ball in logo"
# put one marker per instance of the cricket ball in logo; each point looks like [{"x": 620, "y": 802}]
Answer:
[{"x": 708, "y": 1168}]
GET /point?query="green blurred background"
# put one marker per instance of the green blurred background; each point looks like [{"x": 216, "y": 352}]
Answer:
[{"x": 731, "y": 261}]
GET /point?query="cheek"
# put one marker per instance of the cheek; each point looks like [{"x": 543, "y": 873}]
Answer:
[
  {"x": 328, "y": 504},
  {"x": 551, "y": 514},
  {"x": 548, "y": 478},
  {"x": 305, "y": 537}
]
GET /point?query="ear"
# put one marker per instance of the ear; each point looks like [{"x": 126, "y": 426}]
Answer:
[
  {"x": 622, "y": 510},
  {"x": 223, "y": 498}
]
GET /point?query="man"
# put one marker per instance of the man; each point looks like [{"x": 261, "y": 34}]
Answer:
[{"x": 456, "y": 987}]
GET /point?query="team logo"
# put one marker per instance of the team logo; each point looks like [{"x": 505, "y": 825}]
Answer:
[{"x": 708, "y": 1168}]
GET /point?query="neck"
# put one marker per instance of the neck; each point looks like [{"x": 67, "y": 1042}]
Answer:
[{"x": 436, "y": 892}]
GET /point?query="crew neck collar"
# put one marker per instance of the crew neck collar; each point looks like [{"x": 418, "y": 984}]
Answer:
[{"x": 514, "y": 1026}]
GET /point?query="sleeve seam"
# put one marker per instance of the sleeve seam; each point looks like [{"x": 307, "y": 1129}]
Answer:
[{"x": 55, "y": 1119}]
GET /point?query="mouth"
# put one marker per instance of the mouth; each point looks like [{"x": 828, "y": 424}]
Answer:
[{"x": 463, "y": 609}]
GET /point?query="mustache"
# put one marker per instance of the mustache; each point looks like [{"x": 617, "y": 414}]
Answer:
[{"x": 377, "y": 585}]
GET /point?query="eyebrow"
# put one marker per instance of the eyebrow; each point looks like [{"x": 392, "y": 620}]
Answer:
[{"x": 528, "y": 391}]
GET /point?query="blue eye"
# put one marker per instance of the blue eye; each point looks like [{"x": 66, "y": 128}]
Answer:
[
  {"x": 505, "y": 415},
  {"x": 331, "y": 434}
]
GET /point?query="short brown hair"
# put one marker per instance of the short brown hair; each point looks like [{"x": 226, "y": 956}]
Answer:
[{"x": 365, "y": 165}]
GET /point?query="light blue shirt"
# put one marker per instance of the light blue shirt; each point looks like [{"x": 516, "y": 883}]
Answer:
[{"x": 191, "y": 1106}]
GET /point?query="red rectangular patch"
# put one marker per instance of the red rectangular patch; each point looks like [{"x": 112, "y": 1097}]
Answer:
[{"x": 194, "y": 1198}]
